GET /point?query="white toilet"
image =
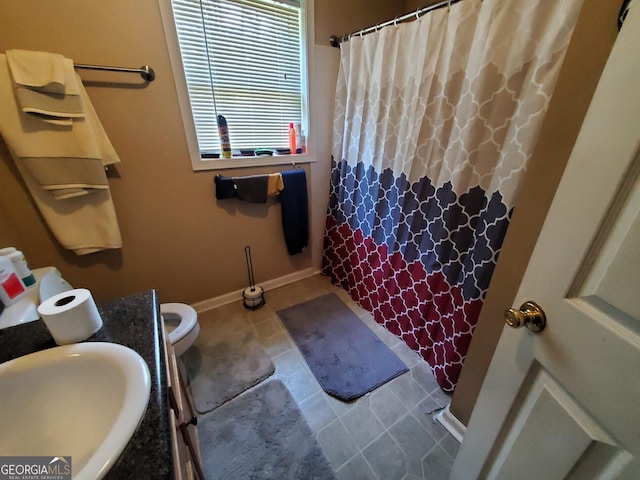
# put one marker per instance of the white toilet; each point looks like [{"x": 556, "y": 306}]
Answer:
[
  {"x": 181, "y": 325},
  {"x": 180, "y": 320}
]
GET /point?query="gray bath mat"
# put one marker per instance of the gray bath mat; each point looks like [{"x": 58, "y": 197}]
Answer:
[
  {"x": 261, "y": 434},
  {"x": 346, "y": 357},
  {"x": 225, "y": 360}
]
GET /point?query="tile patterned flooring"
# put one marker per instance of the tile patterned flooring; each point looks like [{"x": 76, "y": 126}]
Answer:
[{"x": 387, "y": 434}]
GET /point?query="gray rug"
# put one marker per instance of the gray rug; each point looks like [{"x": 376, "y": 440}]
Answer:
[
  {"x": 261, "y": 434},
  {"x": 225, "y": 360},
  {"x": 346, "y": 357}
]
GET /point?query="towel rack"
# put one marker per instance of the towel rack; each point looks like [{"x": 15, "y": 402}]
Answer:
[{"x": 145, "y": 71}]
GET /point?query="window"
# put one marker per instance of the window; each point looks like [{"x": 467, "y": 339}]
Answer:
[{"x": 244, "y": 60}]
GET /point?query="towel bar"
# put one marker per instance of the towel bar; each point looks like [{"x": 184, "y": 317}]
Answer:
[{"x": 145, "y": 71}]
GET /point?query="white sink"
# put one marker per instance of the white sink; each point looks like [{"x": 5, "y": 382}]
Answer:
[{"x": 83, "y": 400}]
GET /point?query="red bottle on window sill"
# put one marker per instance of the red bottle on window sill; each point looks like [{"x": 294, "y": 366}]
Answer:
[{"x": 292, "y": 138}]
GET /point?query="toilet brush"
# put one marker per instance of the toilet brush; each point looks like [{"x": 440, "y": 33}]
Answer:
[{"x": 253, "y": 296}]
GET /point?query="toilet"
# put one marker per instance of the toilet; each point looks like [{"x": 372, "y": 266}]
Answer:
[
  {"x": 181, "y": 325},
  {"x": 180, "y": 320}
]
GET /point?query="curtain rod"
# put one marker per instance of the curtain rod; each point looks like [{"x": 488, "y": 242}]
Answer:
[
  {"x": 336, "y": 40},
  {"x": 145, "y": 71}
]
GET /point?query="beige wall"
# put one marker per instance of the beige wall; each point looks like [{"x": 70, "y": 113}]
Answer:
[
  {"x": 177, "y": 237},
  {"x": 590, "y": 46},
  {"x": 413, "y": 5},
  {"x": 339, "y": 17}
]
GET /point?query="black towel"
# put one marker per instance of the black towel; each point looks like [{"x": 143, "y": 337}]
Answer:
[
  {"x": 252, "y": 188},
  {"x": 295, "y": 210},
  {"x": 225, "y": 188}
]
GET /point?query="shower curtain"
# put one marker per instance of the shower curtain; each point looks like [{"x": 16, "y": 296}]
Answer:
[{"x": 434, "y": 123}]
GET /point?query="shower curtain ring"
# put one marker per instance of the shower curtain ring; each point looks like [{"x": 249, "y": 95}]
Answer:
[
  {"x": 395, "y": 22},
  {"x": 418, "y": 14},
  {"x": 449, "y": 6}
]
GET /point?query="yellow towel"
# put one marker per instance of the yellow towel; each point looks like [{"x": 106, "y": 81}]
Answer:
[
  {"x": 61, "y": 166},
  {"x": 276, "y": 184}
]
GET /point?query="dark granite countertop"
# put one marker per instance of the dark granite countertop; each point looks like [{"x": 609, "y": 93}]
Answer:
[{"x": 132, "y": 321}]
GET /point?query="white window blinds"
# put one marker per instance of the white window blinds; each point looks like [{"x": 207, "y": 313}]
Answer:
[{"x": 242, "y": 59}]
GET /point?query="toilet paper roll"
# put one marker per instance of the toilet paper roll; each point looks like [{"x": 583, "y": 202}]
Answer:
[{"x": 71, "y": 316}]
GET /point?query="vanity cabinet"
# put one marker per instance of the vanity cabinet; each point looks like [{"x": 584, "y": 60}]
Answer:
[{"x": 187, "y": 459}]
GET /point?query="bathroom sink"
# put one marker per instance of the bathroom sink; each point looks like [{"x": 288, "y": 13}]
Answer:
[{"x": 83, "y": 400}]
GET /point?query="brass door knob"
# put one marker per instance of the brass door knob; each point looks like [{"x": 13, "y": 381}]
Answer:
[{"x": 530, "y": 315}]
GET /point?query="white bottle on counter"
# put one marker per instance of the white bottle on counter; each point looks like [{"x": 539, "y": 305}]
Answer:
[
  {"x": 20, "y": 265},
  {"x": 11, "y": 287}
]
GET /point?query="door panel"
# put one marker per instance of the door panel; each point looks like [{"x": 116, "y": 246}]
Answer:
[
  {"x": 615, "y": 277},
  {"x": 568, "y": 428}
]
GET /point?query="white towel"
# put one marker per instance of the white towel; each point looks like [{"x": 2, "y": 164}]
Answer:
[
  {"x": 66, "y": 160},
  {"x": 46, "y": 85},
  {"x": 49, "y": 104},
  {"x": 63, "y": 167},
  {"x": 47, "y": 72},
  {"x": 84, "y": 224}
]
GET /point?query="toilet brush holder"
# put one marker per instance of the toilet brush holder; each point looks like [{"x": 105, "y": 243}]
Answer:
[
  {"x": 253, "y": 299},
  {"x": 253, "y": 296}
]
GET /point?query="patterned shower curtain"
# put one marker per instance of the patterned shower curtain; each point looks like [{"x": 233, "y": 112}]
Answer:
[{"x": 434, "y": 123}]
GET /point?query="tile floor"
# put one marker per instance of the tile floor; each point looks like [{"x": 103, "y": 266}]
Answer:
[{"x": 387, "y": 434}]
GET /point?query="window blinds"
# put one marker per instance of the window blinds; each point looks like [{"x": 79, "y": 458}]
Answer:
[{"x": 251, "y": 51}]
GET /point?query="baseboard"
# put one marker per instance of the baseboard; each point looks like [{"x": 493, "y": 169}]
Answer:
[
  {"x": 451, "y": 423},
  {"x": 210, "y": 303}
]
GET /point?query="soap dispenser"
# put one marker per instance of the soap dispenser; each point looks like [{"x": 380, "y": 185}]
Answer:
[
  {"x": 20, "y": 265},
  {"x": 11, "y": 287}
]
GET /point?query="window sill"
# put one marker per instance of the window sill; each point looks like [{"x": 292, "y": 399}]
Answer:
[{"x": 244, "y": 162}]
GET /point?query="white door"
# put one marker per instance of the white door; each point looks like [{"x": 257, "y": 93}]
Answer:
[{"x": 565, "y": 402}]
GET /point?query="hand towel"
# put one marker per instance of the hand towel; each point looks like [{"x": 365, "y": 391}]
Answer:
[
  {"x": 40, "y": 70},
  {"x": 225, "y": 188},
  {"x": 47, "y": 105},
  {"x": 252, "y": 188},
  {"x": 295, "y": 210},
  {"x": 45, "y": 85},
  {"x": 276, "y": 184}
]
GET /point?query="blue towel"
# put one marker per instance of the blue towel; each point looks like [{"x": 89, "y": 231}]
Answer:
[{"x": 295, "y": 210}]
